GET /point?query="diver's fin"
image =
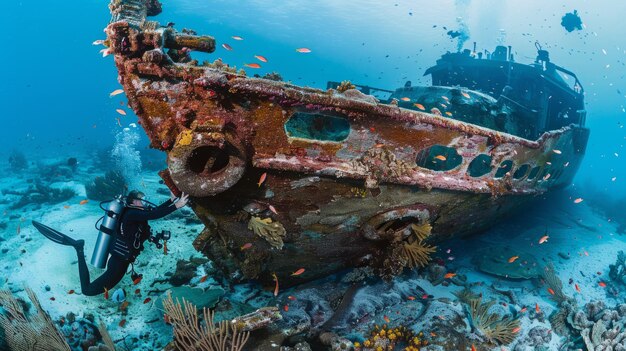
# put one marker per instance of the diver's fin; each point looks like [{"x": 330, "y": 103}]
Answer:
[{"x": 55, "y": 235}]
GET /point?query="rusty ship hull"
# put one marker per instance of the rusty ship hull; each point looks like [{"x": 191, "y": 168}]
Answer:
[{"x": 286, "y": 177}]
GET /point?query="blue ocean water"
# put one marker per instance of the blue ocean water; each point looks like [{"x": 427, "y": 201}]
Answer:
[{"x": 56, "y": 104}]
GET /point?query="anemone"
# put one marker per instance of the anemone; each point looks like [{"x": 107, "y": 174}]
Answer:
[{"x": 492, "y": 326}]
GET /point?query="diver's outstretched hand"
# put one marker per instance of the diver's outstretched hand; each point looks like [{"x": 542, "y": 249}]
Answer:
[{"x": 184, "y": 199}]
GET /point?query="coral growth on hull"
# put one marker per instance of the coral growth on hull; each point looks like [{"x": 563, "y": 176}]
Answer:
[{"x": 286, "y": 177}]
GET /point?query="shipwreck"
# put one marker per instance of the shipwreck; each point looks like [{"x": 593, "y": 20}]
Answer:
[{"x": 287, "y": 177}]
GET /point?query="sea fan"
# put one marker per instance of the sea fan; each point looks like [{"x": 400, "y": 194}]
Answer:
[
  {"x": 191, "y": 334},
  {"x": 554, "y": 282},
  {"x": 29, "y": 333}
]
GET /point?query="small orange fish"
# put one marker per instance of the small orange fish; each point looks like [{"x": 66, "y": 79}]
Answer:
[
  {"x": 298, "y": 272},
  {"x": 166, "y": 319},
  {"x": 137, "y": 280},
  {"x": 124, "y": 305},
  {"x": 204, "y": 278},
  {"x": 303, "y": 50},
  {"x": 273, "y": 209},
  {"x": 83, "y": 202},
  {"x": 137, "y": 291},
  {"x": 245, "y": 246},
  {"x": 116, "y": 92},
  {"x": 523, "y": 310},
  {"x": 547, "y": 176},
  {"x": 118, "y": 122},
  {"x": 558, "y": 152},
  {"x": 445, "y": 98},
  {"x": 71, "y": 292},
  {"x": 449, "y": 114},
  {"x": 420, "y": 106},
  {"x": 122, "y": 323},
  {"x": 292, "y": 298},
  {"x": 147, "y": 300},
  {"x": 440, "y": 157},
  {"x": 512, "y": 259},
  {"x": 516, "y": 330},
  {"x": 106, "y": 293},
  {"x": 405, "y": 99},
  {"x": 579, "y": 200},
  {"x": 602, "y": 284},
  {"x": 227, "y": 47},
  {"x": 121, "y": 112},
  {"x": 252, "y": 65},
  {"x": 433, "y": 334},
  {"x": 262, "y": 179},
  {"x": 386, "y": 318},
  {"x": 260, "y": 58},
  {"x": 165, "y": 247},
  {"x": 466, "y": 95},
  {"x": 411, "y": 298},
  {"x": 551, "y": 291},
  {"x": 66, "y": 207},
  {"x": 276, "y": 280},
  {"x": 449, "y": 275},
  {"x": 537, "y": 309},
  {"x": 286, "y": 308},
  {"x": 577, "y": 288},
  {"x": 543, "y": 239},
  {"x": 473, "y": 348},
  {"x": 236, "y": 37}
]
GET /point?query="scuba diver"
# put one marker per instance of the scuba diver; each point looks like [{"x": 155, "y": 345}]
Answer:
[{"x": 123, "y": 239}]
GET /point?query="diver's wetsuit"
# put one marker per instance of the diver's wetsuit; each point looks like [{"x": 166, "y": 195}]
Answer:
[{"x": 126, "y": 246}]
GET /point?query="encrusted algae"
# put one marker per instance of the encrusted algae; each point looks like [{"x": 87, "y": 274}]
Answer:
[
  {"x": 220, "y": 65},
  {"x": 184, "y": 138},
  {"x": 383, "y": 338},
  {"x": 358, "y": 192}
]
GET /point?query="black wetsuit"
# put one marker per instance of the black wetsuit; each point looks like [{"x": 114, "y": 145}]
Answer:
[{"x": 124, "y": 249}]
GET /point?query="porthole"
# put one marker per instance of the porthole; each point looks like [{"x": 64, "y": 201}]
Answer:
[
  {"x": 479, "y": 166},
  {"x": 504, "y": 168},
  {"x": 533, "y": 173},
  {"x": 317, "y": 126},
  {"x": 439, "y": 158},
  {"x": 521, "y": 171}
]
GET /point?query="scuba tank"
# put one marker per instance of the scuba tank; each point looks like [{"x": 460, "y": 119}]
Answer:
[{"x": 106, "y": 230}]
